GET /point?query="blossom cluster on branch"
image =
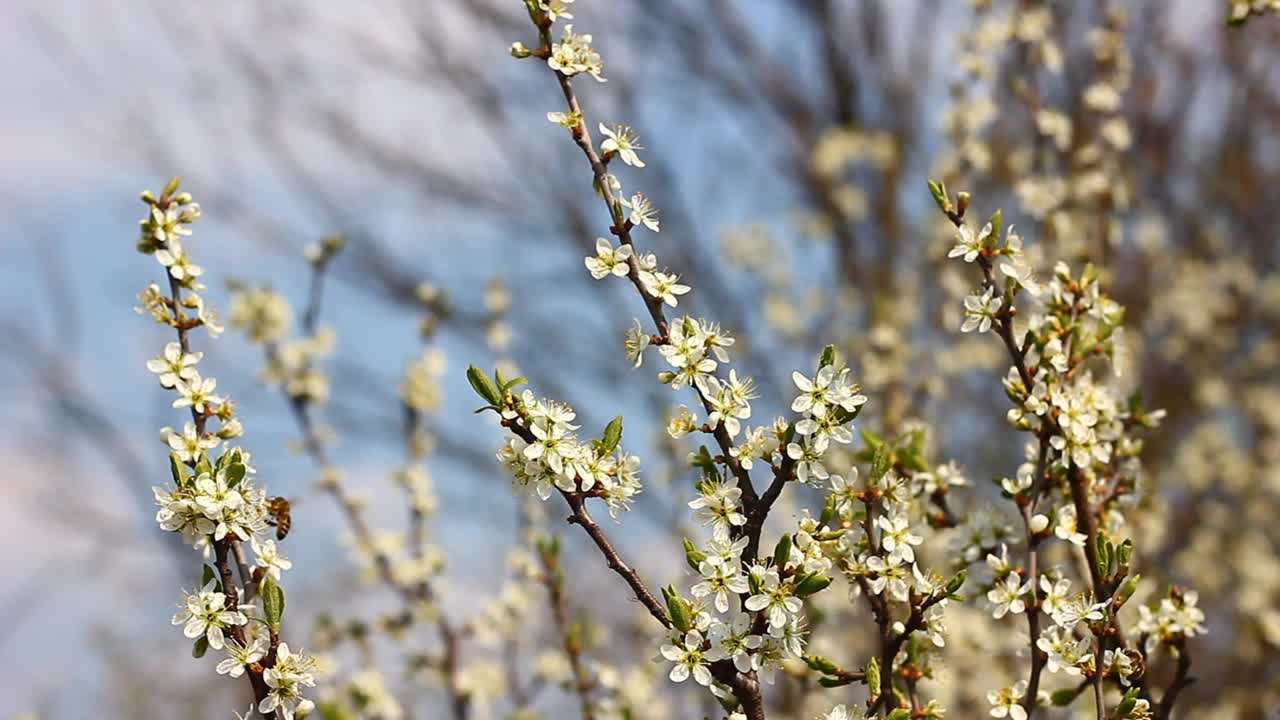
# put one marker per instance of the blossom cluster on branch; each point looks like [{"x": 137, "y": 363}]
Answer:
[
  {"x": 214, "y": 501},
  {"x": 746, "y": 615}
]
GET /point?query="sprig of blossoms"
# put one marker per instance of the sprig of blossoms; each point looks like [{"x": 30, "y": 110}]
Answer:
[
  {"x": 1082, "y": 460},
  {"x": 214, "y": 502},
  {"x": 574, "y": 54},
  {"x": 550, "y": 455}
]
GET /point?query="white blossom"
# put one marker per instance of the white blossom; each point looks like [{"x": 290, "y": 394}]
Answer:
[
  {"x": 642, "y": 211},
  {"x": 663, "y": 286},
  {"x": 609, "y": 260},
  {"x": 1007, "y": 595},
  {"x": 980, "y": 310},
  {"x": 689, "y": 658},
  {"x": 238, "y": 656},
  {"x": 205, "y": 613},
  {"x": 622, "y": 140}
]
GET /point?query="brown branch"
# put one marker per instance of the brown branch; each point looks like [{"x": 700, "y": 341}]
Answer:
[
  {"x": 570, "y": 638},
  {"x": 1164, "y": 710}
]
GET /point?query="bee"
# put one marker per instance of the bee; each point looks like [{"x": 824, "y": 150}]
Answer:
[{"x": 281, "y": 517}]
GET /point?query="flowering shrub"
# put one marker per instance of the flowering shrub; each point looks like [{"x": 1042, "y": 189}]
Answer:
[{"x": 832, "y": 564}]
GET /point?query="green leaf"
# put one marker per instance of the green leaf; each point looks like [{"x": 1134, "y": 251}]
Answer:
[
  {"x": 705, "y": 462},
  {"x": 210, "y": 574},
  {"x": 333, "y": 711},
  {"x": 203, "y": 467},
  {"x": 1124, "y": 553},
  {"x": 692, "y": 555},
  {"x": 728, "y": 702},
  {"x": 272, "y": 601},
  {"x": 812, "y": 584},
  {"x": 200, "y": 647},
  {"x": 1126, "y": 590},
  {"x": 612, "y": 434},
  {"x": 1128, "y": 703},
  {"x": 828, "y": 511},
  {"x": 881, "y": 462},
  {"x": 483, "y": 386},
  {"x": 171, "y": 187},
  {"x": 1100, "y": 560},
  {"x": 234, "y": 474},
  {"x": 782, "y": 552},
  {"x": 821, "y": 664},
  {"x": 513, "y": 383},
  {"x": 871, "y": 439},
  {"x": 900, "y": 714},
  {"x": 1063, "y": 697},
  {"x": 996, "y": 222},
  {"x": 678, "y": 609},
  {"x": 954, "y": 584},
  {"x": 939, "y": 192},
  {"x": 828, "y": 357},
  {"x": 832, "y": 682},
  {"x": 841, "y": 416},
  {"x": 177, "y": 470},
  {"x": 873, "y": 676}
]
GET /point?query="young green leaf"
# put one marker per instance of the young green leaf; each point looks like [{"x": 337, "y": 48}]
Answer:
[
  {"x": 1063, "y": 697},
  {"x": 782, "y": 552},
  {"x": 612, "y": 435},
  {"x": 483, "y": 386},
  {"x": 210, "y": 574},
  {"x": 821, "y": 664},
  {"x": 939, "y": 192},
  {"x": 177, "y": 470},
  {"x": 692, "y": 555},
  {"x": 812, "y": 584},
  {"x": 272, "y": 601},
  {"x": 678, "y": 609},
  {"x": 828, "y": 357}
]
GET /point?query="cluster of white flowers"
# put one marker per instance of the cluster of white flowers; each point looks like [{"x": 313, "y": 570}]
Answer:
[
  {"x": 1083, "y": 456},
  {"x": 263, "y": 314},
  {"x": 1068, "y": 649},
  {"x": 574, "y": 54},
  {"x": 214, "y": 502},
  {"x": 828, "y": 402},
  {"x": 757, "y": 634},
  {"x": 205, "y": 614},
  {"x": 1176, "y": 618},
  {"x": 554, "y": 457},
  {"x": 285, "y": 680},
  {"x": 421, "y": 388},
  {"x": 265, "y": 317},
  {"x": 220, "y": 500},
  {"x": 879, "y": 557},
  {"x": 745, "y": 614}
]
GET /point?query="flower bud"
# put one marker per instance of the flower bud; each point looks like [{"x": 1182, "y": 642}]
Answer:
[{"x": 1039, "y": 522}]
